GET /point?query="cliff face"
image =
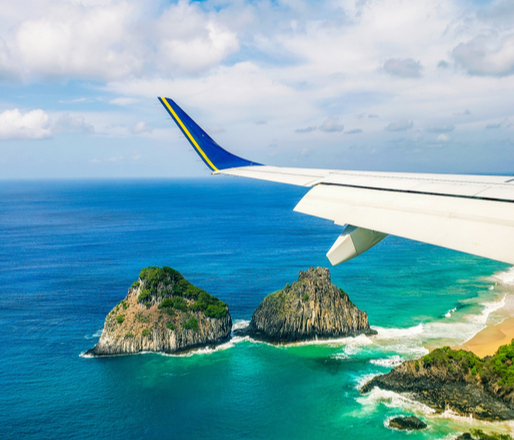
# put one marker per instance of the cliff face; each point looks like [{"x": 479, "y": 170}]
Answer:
[
  {"x": 457, "y": 380},
  {"x": 311, "y": 308},
  {"x": 163, "y": 312}
]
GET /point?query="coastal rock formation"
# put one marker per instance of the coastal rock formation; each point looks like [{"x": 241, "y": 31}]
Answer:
[
  {"x": 410, "y": 423},
  {"x": 163, "y": 312},
  {"x": 457, "y": 380},
  {"x": 310, "y": 308}
]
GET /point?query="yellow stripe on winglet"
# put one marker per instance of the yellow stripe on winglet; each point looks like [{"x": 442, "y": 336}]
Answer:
[{"x": 191, "y": 138}]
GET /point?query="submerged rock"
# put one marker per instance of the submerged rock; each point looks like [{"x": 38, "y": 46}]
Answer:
[
  {"x": 410, "y": 423},
  {"x": 310, "y": 308},
  {"x": 165, "y": 313},
  {"x": 457, "y": 380}
]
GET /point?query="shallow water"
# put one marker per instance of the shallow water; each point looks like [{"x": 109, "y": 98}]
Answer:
[{"x": 69, "y": 250}]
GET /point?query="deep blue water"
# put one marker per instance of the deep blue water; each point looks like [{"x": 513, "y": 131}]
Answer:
[{"x": 69, "y": 250}]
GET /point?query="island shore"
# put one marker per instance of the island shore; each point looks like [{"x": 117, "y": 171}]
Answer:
[{"x": 488, "y": 340}]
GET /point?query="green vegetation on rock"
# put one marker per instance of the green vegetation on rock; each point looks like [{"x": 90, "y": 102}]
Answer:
[
  {"x": 141, "y": 318},
  {"x": 145, "y": 294},
  {"x": 498, "y": 369},
  {"x": 481, "y": 435},
  {"x": 129, "y": 335},
  {"x": 191, "y": 324},
  {"x": 146, "y": 332},
  {"x": 172, "y": 291},
  {"x": 120, "y": 319},
  {"x": 171, "y": 326}
]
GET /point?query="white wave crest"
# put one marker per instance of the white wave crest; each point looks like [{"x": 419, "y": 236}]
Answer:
[
  {"x": 489, "y": 307},
  {"x": 391, "y": 399},
  {"x": 96, "y": 334},
  {"x": 506, "y": 277},
  {"x": 363, "y": 380},
  {"x": 240, "y": 324},
  {"x": 448, "y": 314},
  {"x": 398, "y": 333},
  {"x": 389, "y": 362},
  {"x": 350, "y": 343}
]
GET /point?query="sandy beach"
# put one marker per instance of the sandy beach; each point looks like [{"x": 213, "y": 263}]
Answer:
[{"x": 487, "y": 341}]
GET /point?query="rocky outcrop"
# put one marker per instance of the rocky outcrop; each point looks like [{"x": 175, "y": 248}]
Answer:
[
  {"x": 311, "y": 308},
  {"x": 457, "y": 380},
  {"x": 163, "y": 312},
  {"x": 410, "y": 423}
]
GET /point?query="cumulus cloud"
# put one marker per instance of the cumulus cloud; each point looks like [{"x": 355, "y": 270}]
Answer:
[
  {"x": 404, "y": 68},
  {"x": 401, "y": 125},
  {"x": 37, "y": 124},
  {"x": 486, "y": 56},
  {"x": 31, "y": 125},
  {"x": 113, "y": 40},
  {"x": 443, "y": 138},
  {"x": 331, "y": 124}
]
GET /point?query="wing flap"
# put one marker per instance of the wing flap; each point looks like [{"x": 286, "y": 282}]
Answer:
[{"x": 476, "y": 226}]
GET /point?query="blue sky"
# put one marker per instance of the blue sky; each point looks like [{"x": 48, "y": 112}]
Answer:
[{"x": 390, "y": 85}]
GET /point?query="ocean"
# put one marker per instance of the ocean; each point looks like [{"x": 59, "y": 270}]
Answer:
[{"x": 69, "y": 250}]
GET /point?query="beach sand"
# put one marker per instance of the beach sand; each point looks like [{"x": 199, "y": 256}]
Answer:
[{"x": 487, "y": 341}]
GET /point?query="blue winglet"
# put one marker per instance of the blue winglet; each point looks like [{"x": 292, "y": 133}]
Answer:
[{"x": 215, "y": 157}]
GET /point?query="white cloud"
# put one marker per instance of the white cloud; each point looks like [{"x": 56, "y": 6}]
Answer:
[
  {"x": 404, "y": 68},
  {"x": 123, "y": 101},
  {"x": 141, "y": 127},
  {"x": 486, "y": 55},
  {"x": 31, "y": 125},
  {"x": 91, "y": 42},
  {"x": 72, "y": 124},
  {"x": 37, "y": 124},
  {"x": 331, "y": 124},
  {"x": 401, "y": 125},
  {"x": 443, "y": 138}
]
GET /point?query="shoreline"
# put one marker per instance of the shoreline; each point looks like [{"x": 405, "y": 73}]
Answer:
[{"x": 487, "y": 341}]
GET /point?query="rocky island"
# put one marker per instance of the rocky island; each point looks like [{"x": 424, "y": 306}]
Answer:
[
  {"x": 310, "y": 308},
  {"x": 457, "y": 380},
  {"x": 163, "y": 312}
]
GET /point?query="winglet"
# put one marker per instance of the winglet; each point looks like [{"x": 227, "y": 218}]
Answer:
[{"x": 215, "y": 157}]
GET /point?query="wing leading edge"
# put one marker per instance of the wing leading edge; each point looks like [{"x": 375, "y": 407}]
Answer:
[{"x": 472, "y": 214}]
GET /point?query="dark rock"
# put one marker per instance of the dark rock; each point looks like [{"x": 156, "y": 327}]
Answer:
[
  {"x": 410, "y": 423},
  {"x": 465, "y": 436},
  {"x": 445, "y": 380},
  {"x": 311, "y": 308}
]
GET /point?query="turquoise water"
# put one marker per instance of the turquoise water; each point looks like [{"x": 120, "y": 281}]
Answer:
[{"x": 69, "y": 250}]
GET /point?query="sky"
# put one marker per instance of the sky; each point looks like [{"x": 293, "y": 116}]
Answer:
[{"x": 389, "y": 85}]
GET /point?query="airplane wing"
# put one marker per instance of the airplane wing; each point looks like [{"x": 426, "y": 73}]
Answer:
[{"x": 468, "y": 213}]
